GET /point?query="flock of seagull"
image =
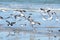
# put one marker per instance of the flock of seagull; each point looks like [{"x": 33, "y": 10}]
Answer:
[
  {"x": 45, "y": 12},
  {"x": 20, "y": 15}
]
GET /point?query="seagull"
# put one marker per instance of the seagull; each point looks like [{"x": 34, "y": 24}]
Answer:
[
  {"x": 44, "y": 11},
  {"x": 17, "y": 16},
  {"x": 10, "y": 24},
  {"x": 48, "y": 12},
  {"x": 1, "y": 17},
  {"x": 31, "y": 21}
]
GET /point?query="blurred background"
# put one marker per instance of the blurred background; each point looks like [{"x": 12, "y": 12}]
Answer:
[{"x": 34, "y": 1}]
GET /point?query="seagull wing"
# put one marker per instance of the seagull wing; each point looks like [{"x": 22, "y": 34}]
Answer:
[
  {"x": 8, "y": 22},
  {"x": 12, "y": 23}
]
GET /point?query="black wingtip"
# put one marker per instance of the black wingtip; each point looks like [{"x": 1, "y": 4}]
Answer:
[
  {"x": 1, "y": 17},
  {"x": 48, "y": 10},
  {"x": 41, "y": 9},
  {"x": 39, "y": 23}
]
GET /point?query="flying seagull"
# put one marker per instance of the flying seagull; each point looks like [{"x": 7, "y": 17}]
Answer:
[
  {"x": 1, "y": 17},
  {"x": 10, "y": 24}
]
